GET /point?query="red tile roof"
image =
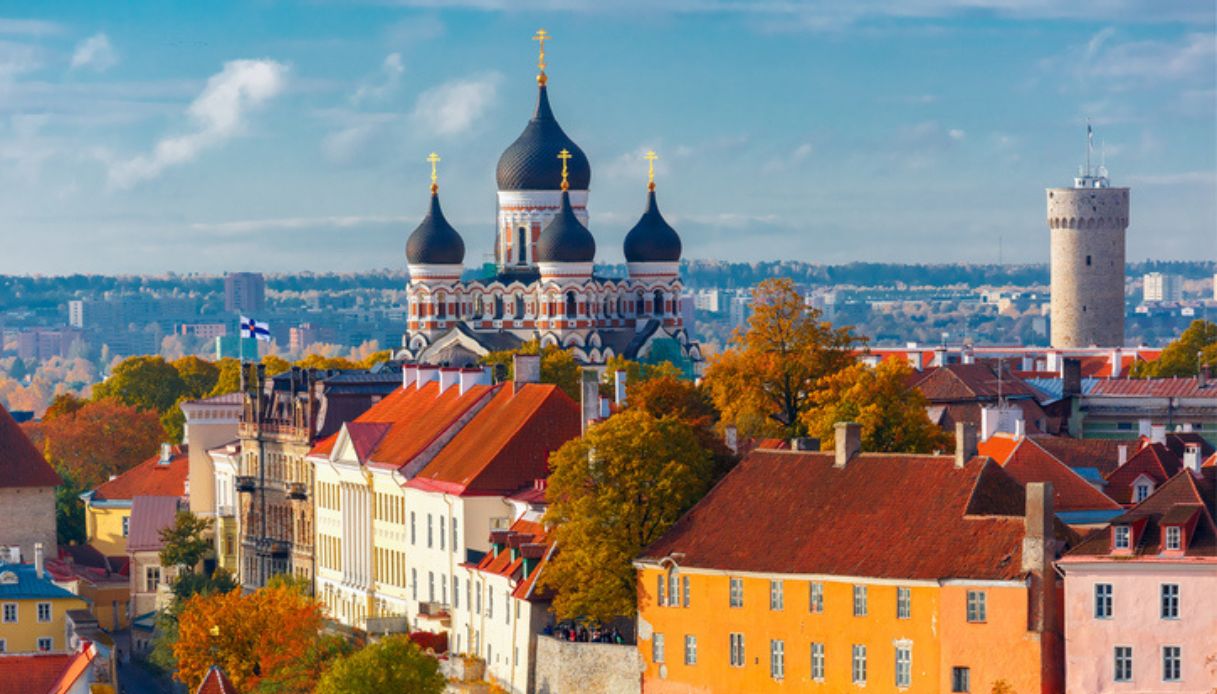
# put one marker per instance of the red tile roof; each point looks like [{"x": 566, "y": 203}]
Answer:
[
  {"x": 1154, "y": 460},
  {"x": 21, "y": 465},
  {"x": 970, "y": 382},
  {"x": 1030, "y": 462},
  {"x": 32, "y": 674},
  {"x": 882, "y": 515},
  {"x": 216, "y": 682},
  {"x": 530, "y": 540},
  {"x": 1102, "y": 454},
  {"x": 149, "y": 478},
  {"x": 75, "y": 669},
  {"x": 999, "y": 446},
  {"x": 507, "y": 443},
  {"x": 1154, "y": 388}
]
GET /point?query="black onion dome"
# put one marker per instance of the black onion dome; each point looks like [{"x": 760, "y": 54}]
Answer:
[
  {"x": 652, "y": 240},
  {"x": 435, "y": 242},
  {"x": 565, "y": 239},
  {"x": 531, "y": 162}
]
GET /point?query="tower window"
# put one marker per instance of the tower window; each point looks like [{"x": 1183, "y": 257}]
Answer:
[
  {"x": 1087, "y": 261},
  {"x": 522, "y": 244},
  {"x": 570, "y": 304},
  {"x": 519, "y": 305},
  {"x": 658, "y": 303}
]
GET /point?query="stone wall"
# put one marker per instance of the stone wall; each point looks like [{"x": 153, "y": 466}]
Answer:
[
  {"x": 1088, "y": 229},
  {"x": 28, "y": 517},
  {"x": 587, "y": 668}
]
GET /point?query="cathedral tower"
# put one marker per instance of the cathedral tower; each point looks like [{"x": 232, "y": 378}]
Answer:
[{"x": 1087, "y": 224}]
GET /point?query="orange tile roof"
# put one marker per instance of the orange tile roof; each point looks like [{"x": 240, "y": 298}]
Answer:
[
  {"x": 1101, "y": 454},
  {"x": 37, "y": 673},
  {"x": 522, "y": 532},
  {"x": 149, "y": 478},
  {"x": 1029, "y": 462},
  {"x": 21, "y": 465},
  {"x": 507, "y": 443},
  {"x": 216, "y": 682},
  {"x": 76, "y": 667},
  {"x": 1154, "y": 460},
  {"x": 999, "y": 446}
]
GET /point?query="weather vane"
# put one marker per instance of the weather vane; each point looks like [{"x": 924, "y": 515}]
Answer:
[
  {"x": 541, "y": 37},
  {"x": 434, "y": 159},
  {"x": 650, "y": 156},
  {"x": 564, "y": 156}
]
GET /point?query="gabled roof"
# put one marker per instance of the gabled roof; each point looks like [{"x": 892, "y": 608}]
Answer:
[
  {"x": 21, "y": 465},
  {"x": 32, "y": 673},
  {"x": 1030, "y": 462},
  {"x": 1103, "y": 454},
  {"x": 150, "y": 515},
  {"x": 216, "y": 682},
  {"x": 529, "y": 539},
  {"x": 507, "y": 443},
  {"x": 970, "y": 382},
  {"x": 1154, "y": 388},
  {"x": 1178, "y": 442},
  {"x": 28, "y": 586},
  {"x": 1175, "y": 501},
  {"x": 1153, "y": 460},
  {"x": 76, "y": 667},
  {"x": 149, "y": 478},
  {"x": 882, "y": 516}
]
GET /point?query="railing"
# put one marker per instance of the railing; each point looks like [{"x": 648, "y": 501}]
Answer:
[
  {"x": 273, "y": 546},
  {"x": 246, "y": 483},
  {"x": 297, "y": 490}
]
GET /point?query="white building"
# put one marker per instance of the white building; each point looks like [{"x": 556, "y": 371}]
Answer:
[{"x": 1161, "y": 287}]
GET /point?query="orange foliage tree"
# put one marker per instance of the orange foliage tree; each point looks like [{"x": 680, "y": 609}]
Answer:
[
  {"x": 268, "y": 639},
  {"x": 97, "y": 439}
]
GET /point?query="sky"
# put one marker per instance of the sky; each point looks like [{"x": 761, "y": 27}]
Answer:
[{"x": 147, "y": 137}]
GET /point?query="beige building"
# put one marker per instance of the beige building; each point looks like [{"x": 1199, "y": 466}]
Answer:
[
  {"x": 210, "y": 423},
  {"x": 27, "y": 494}
]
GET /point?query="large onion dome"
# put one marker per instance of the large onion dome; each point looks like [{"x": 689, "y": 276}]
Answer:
[
  {"x": 435, "y": 242},
  {"x": 565, "y": 239},
  {"x": 652, "y": 240},
  {"x": 529, "y": 164}
]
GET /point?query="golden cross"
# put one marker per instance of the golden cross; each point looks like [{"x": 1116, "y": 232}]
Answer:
[
  {"x": 564, "y": 156},
  {"x": 434, "y": 159},
  {"x": 541, "y": 37},
  {"x": 650, "y": 156}
]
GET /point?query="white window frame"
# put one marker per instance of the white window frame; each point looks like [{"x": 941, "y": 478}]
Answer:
[
  {"x": 736, "y": 598},
  {"x": 16, "y": 609},
  {"x": 657, "y": 646},
  {"x": 673, "y": 589},
  {"x": 858, "y": 664},
  {"x": 815, "y": 598},
  {"x": 49, "y": 612},
  {"x": 817, "y": 661},
  {"x": 49, "y": 641},
  {"x": 961, "y": 679},
  {"x": 690, "y": 649},
  {"x": 661, "y": 587},
  {"x": 1104, "y": 600},
  {"x": 1122, "y": 538},
  {"x": 1174, "y": 538},
  {"x": 859, "y": 601},
  {"x": 736, "y": 642},
  {"x": 1141, "y": 492},
  {"x": 777, "y": 659},
  {"x": 1168, "y": 602},
  {"x": 684, "y": 591},
  {"x": 904, "y": 666},
  {"x": 1122, "y": 664},
  {"x": 904, "y": 602},
  {"x": 777, "y": 599},
  {"x": 1172, "y": 663},
  {"x": 977, "y": 611}
]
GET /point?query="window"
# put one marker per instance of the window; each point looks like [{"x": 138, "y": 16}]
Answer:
[
  {"x": 690, "y": 649},
  {"x": 44, "y": 611},
  {"x": 1142, "y": 492},
  {"x": 10, "y": 612},
  {"x": 657, "y": 648},
  {"x": 737, "y": 592},
  {"x": 904, "y": 601},
  {"x": 507, "y": 606},
  {"x": 775, "y": 595},
  {"x": 961, "y": 679},
  {"x": 817, "y": 661},
  {"x": 661, "y": 583},
  {"x": 859, "y": 664},
  {"x": 904, "y": 666},
  {"x": 126, "y": 525},
  {"x": 976, "y": 606},
  {"x": 777, "y": 659},
  {"x": 1170, "y": 601},
  {"x": 152, "y": 576},
  {"x": 1123, "y": 664},
  {"x": 478, "y": 597},
  {"x": 684, "y": 590},
  {"x": 737, "y": 650},
  {"x": 1174, "y": 537},
  {"x": 430, "y": 586},
  {"x": 412, "y": 527},
  {"x": 1123, "y": 536},
  {"x": 1172, "y": 663},
  {"x": 816, "y": 601},
  {"x": 673, "y": 590},
  {"x": 521, "y": 246},
  {"x": 489, "y": 603},
  {"x": 456, "y": 592},
  {"x": 429, "y": 531},
  {"x": 859, "y": 601},
  {"x": 1102, "y": 601},
  {"x": 1087, "y": 261},
  {"x": 3, "y": 646},
  {"x": 45, "y": 644},
  {"x": 441, "y": 533},
  {"x": 455, "y": 544},
  {"x": 414, "y": 584}
]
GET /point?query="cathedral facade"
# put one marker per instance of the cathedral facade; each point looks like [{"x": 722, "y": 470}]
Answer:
[{"x": 543, "y": 287}]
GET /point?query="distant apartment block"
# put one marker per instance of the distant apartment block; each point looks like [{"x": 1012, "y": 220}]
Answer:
[
  {"x": 303, "y": 335},
  {"x": 1162, "y": 287},
  {"x": 710, "y": 300},
  {"x": 44, "y": 344},
  {"x": 244, "y": 292},
  {"x": 206, "y": 331}
]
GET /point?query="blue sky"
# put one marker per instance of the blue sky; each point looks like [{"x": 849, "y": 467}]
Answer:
[{"x": 280, "y": 136}]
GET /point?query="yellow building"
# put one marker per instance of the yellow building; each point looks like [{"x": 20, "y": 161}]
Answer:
[
  {"x": 33, "y": 610},
  {"x": 821, "y": 572},
  {"x": 108, "y": 507}
]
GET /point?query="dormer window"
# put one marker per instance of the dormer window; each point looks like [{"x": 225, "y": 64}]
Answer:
[
  {"x": 1141, "y": 491},
  {"x": 1174, "y": 538},
  {"x": 1121, "y": 537}
]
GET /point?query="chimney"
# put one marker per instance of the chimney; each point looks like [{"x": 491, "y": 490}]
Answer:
[
  {"x": 1121, "y": 454},
  {"x": 474, "y": 377},
  {"x": 804, "y": 443},
  {"x": 525, "y": 368},
  {"x": 589, "y": 389},
  {"x": 1202, "y": 377},
  {"x": 1039, "y": 551},
  {"x": 1054, "y": 361},
  {"x": 1117, "y": 362},
  {"x": 166, "y": 454},
  {"x": 967, "y": 356},
  {"x": 1157, "y": 433},
  {"x": 426, "y": 374},
  {"x": 965, "y": 442},
  {"x": 448, "y": 376},
  {"x": 39, "y": 560},
  {"x": 848, "y": 437},
  {"x": 1028, "y": 363},
  {"x": 731, "y": 439},
  {"x": 1144, "y": 428},
  {"x": 409, "y": 373},
  {"x": 940, "y": 356},
  {"x": 1020, "y": 428},
  {"x": 914, "y": 358},
  {"x": 619, "y": 377},
  {"x": 1071, "y": 377},
  {"x": 1191, "y": 457}
]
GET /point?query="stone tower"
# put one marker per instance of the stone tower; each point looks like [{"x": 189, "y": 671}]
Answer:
[{"x": 1087, "y": 225}]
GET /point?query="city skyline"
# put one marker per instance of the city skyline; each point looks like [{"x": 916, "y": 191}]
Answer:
[{"x": 295, "y": 138}]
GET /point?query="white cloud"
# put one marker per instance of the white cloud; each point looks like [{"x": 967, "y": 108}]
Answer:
[
  {"x": 364, "y": 137},
  {"x": 956, "y": 134},
  {"x": 16, "y": 59},
  {"x": 391, "y": 70},
  {"x": 244, "y": 226},
  {"x": 455, "y": 107},
  {"x": 95, "y": 53},
  {"x": 28, "y": 27},
  {"x": 217, "y": 115}
]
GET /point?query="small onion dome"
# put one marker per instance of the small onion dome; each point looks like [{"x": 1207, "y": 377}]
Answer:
[
  {"x": 565, "y": 239},
  {"x": 529, "y": 164},
  {"x": 652, "y": 240},
  {"x": 435, "y": 242}
]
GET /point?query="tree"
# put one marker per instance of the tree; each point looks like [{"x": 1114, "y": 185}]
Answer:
[
  {"x": 317, "y": 361},
  {"x": 393, "y": 664},
  {"x": 148, "y": 383},
  {"x": 198, "y": 376},
  {"x": 228, "y": 378},
  {"x": 269, "y": 639},
  {"x": 558, "y": 366},
  {"x": 765, "y": 381},
  {"x": 275, "y": 365},
  {"x": 63, "y": 404},
  {"x": 69, "y": 511},
  {"x": 612, "y": 493},
  {"x": 635, "y": 371},
  {"x": 185, "y": 542},
  {"x": 892, "y": 415},
  {"x": 1183, "y": 357},
  {"x": 100, "y": 439}
]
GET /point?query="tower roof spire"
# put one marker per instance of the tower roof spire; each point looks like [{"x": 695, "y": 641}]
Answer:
[
  {"x": 541, "y": 37},
  {"x": 565, "y": 156},
  {"x": 650, "y": 156},
  {"x": 434, "y": 159}
]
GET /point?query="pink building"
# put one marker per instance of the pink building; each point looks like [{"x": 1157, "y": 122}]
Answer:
[{"x": 1141, "y": 594}]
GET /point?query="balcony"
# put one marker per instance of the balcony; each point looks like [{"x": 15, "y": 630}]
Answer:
[
  {"x": 226, "y": 510},
  {"x": 434, "y": 612},
  {"x": 297, "y": 491},
  {"x": 246, "y": 483},
  {"x": 273, "y": 547}
]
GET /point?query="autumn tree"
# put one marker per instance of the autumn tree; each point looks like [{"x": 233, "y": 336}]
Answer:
[
  {"x": 892, "y": 415},
  {"x": 317, "y": 361},
  {"x": 100, "y": 439},
  {"x": 198, "y": 376},
  {"x": 147, "y": 382},
  {"x": 275, "y": 365},
  {"x": 393, "y": 664},
  {"x": 765, "y": 380},
  {"x": 611, "y": 494},
  {"x": 1183, "y": 357},
  {"x": 185, "y": 543},
  {"x": 64, "y": 404},
  {"x": 558, "y": 366},
  {"x": 635, "y": 371}
]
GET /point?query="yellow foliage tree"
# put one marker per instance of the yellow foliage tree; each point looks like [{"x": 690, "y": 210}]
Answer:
[{"x": 558, "y": 366}]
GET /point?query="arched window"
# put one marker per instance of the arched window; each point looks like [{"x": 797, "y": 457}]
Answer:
[
  {"x": 608, "y": 309},
  {"x": 498, "y": 306},
  {"x": 621, "y": 306},
  {"x": 479, "y": 306},
  {"x": 441, "y": 303},
  {"x": 658, "y": 305},
  {"x": 570, "y": 304},
  {"x": 522, "y": 244},
  {"x": 519, "y": 305},
  {"x": 640, "y": 306}
]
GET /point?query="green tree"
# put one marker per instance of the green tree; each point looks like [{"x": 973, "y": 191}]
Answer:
[
  {"x": 612, "y": 493},
  {"x": 228, "y": 377},
  {"x": 892, "y": 415},
  {"x": 635, "y": 371},
  {"x": 198, "y": 376},
  {"x": 69, "y": 510},
  {"x": 148, "y": 383},
  {"x": 393, "y": 664},
  {"x": 1183, "y": 357},
  {"x": 558, "y": 366},
  {"x": 185, "y": 543}
]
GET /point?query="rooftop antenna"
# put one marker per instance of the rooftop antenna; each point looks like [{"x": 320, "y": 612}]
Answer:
[{"x": 1089, "y": 144}]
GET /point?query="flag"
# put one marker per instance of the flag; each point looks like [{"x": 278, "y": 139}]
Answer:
[{"x": 255, "y": 329}]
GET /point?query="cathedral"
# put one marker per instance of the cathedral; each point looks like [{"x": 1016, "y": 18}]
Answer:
[{"x": 543, "y": 286}]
